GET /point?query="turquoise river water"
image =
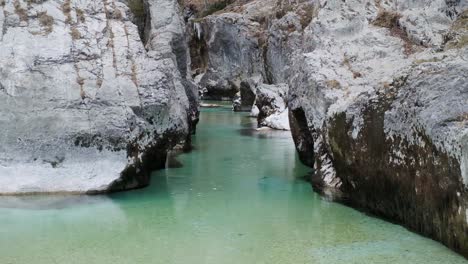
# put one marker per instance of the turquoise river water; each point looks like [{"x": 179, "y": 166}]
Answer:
[{"x": 237, "y": 199}]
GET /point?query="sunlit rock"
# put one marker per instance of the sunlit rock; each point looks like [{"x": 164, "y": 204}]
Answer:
[{"x": 87, "y": 102}]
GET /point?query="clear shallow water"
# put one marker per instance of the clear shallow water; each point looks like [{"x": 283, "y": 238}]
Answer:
[{"x": 237, "y": 199}]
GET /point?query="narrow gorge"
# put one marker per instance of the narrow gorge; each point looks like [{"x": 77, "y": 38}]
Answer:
[
  {"x": 208, "y": 104},
  {"x": 377, "y": 95}
]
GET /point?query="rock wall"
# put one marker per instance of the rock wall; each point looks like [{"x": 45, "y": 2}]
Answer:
[
  {"x": 228, "y": 54},
  {"x": 248, "y": 44},
  {"x": 271, "y": 102},
  {"x": 86, "y": 105},
  {"x": 245, "y": 40},
  {"x": 378, "y": 97},
  {"x": 383, "y": 96}
]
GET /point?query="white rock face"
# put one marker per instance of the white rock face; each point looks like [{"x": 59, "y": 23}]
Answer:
[
  {"x": 271, "y": 104},
  {"x": 245, "y": 46},
  {"x": 382, "y": 92},
  {"x": 378, "y": 99},
  {"x": 227, "y": 52},
  {"x": 354, "y": 61},
  {"x": 254, "y": 112},
  {"x": 278, "y": 121},
  {"x": 84, "y": 105}
]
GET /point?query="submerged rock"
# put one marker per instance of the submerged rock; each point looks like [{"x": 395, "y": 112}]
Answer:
[{"x": 85, "y": 104}]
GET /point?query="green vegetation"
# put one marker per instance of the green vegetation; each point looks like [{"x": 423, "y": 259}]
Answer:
[
  {"x": 458, "y": 43},
  {"x": 75, "y": 34},
  {"x": 459, "y": 34},
  {"x": 117, "y": 14},
  {"x": 334, "y": 84},
  {"x": 46, "y": 21},
  {"x": 433, "y": 59},
  {"x": 20, "y": 11},
  {"x": 137, "y": 7},
  {"x": 66, "y": 9},
  {"x": 80, "y": 15},
  {"x": 215, "y": 7},
  {"x": 390, "y": 20},
  {"x": 462, "y": 21},
  {"x": 282, "y": 8},
  {"x": 307, "y": 13},
  {"x": 387, "y": 19}
]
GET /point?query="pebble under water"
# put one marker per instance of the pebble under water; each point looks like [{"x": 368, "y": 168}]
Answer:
[{"x": 238, "y": 198}]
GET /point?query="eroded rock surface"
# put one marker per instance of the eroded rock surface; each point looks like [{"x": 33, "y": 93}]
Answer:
[
  {"x": 245, "y": 45},
  {"x": 271, "y": 103},
  {"x": 377, "y": 102},
  {"x": 247, "y": 94},
  {"x": 230, "y": 53},
  {"x": 85, "y": 105},
  {"x": 246, "y": 40},
  {"x": 383, "y": 96}
]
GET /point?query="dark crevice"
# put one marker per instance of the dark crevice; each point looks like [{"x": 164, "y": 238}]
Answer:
[
  {"x": 140, "y": 17},
  {"x": 198, "y": 53},
  {"x": 302, "y": 136},
  {"x": 137, "y": 175}
]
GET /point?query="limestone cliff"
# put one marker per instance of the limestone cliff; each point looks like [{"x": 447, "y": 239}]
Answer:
[
  {"x": 378, "y": 97},
  {"x": 89, "y": 102},
  {"x": 383, "y": 96}
]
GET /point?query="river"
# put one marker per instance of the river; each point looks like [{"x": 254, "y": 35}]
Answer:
[{"x": 238, "y": 198}]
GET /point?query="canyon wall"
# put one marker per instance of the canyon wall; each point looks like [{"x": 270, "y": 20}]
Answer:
[
  {"x": 89, "y": 101},
  {"x": 378, "y": 97},
  {"x": 383, "y": 96}
]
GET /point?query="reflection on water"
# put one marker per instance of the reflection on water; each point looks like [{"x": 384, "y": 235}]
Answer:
[
  {"x": 47, "y": 202},
  {"x": 237, "y": 199}
]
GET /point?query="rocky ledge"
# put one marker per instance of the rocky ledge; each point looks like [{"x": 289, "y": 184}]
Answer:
[{"x": 92, "y": 93}]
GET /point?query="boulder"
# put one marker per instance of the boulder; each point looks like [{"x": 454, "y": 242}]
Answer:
[
  {"x": 88, "y": 103},
  {"x": 271, "y": 103},
  {"x": 246, "y": 99}
]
